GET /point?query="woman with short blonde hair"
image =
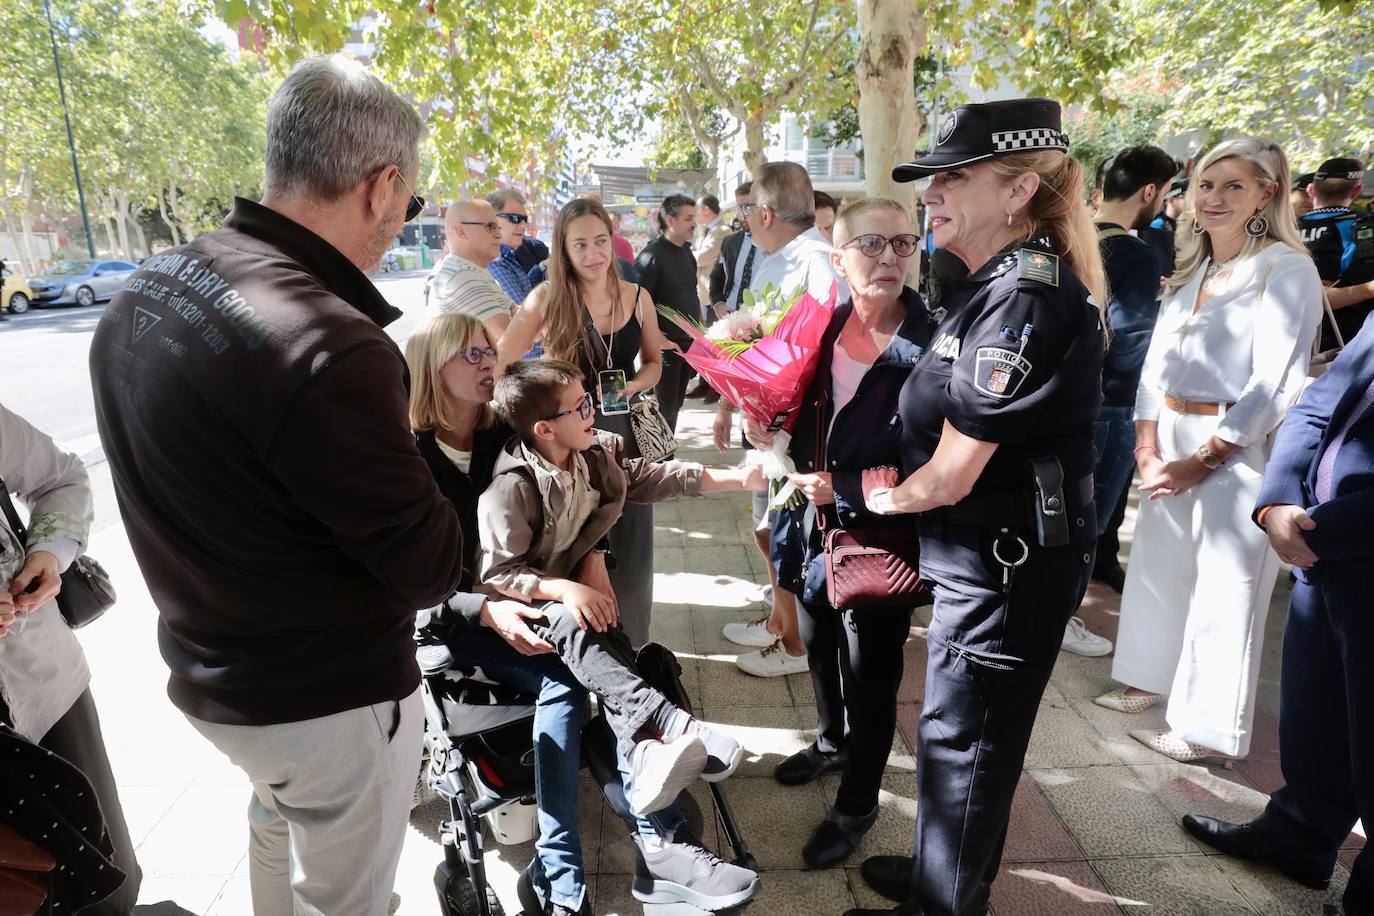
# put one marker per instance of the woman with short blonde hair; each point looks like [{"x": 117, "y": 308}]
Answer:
[{"x": 1229, "y": 355}]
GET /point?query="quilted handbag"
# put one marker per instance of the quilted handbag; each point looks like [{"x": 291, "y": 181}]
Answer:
[{"x": 873, "y": 567}]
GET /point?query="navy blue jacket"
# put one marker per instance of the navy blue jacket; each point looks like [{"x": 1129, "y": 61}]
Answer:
[
  {"x": 866, "y": 434},
  {"x": 1133, "y": 272},
  {"x": 1343, "y": 530}
]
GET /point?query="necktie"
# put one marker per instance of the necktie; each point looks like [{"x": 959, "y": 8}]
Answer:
[
  {"x": 1326, "y": 465},
  {"x": 747, "y": 273}
]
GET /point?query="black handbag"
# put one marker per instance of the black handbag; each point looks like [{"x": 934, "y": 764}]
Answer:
[{"x": 86, "y": 588}]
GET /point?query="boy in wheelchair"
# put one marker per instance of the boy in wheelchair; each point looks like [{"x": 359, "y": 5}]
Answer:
[{"x": 555, "y": 492}]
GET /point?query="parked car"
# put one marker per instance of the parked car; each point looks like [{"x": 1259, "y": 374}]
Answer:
[
  {"x": 80, "y": 282},
  {"x": 15, "y": 294}
]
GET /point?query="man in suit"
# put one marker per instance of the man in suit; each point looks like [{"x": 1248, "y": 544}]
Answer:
[
  {"x": 738, "y": 257},
  {"x": 1316, "y": 502}
]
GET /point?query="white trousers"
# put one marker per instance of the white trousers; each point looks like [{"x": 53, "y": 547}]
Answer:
[
  {"x": 1198, "y": 585},
  {"x": 331, "y": 799}
]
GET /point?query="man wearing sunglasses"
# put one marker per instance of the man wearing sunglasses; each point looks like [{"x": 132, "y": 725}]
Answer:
[
  {"x": 460, "y": 283},
  {"x": 254, "y": 414},
  {"x": 520, "y": 252}
]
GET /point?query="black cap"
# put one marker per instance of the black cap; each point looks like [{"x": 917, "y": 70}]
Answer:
[
  {"x": 972, "y": 133},
  {"x": 1301, "y": 182},
  {"x": 1177, "y": 188},
  {"x": 1350, "y": 169}
]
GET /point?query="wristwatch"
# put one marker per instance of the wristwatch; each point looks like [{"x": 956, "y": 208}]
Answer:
[{"x": 1208, "y": 457}]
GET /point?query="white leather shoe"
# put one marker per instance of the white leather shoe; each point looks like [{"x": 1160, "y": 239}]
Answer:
[
  {"x": 774, "y": 661},
  {"x": 1121, "y": 702},
  {"x": 1079, "y": 640},
  {"x": 755, "y": 633}
]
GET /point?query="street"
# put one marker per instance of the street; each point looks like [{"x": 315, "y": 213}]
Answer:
[{"x": 46, "y": 381}]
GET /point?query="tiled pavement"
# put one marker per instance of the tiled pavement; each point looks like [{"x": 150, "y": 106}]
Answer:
[{"x": 1095, "y": 828}]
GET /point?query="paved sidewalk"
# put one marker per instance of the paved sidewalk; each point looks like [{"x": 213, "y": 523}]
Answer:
[{"x": 1095, "y": 827}]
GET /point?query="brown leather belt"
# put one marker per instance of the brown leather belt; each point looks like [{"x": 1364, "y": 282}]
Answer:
[{"x": 1205, "y": 408}]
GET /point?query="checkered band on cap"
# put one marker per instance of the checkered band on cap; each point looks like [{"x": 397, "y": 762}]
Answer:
[{"x": 1031, "y": 138}]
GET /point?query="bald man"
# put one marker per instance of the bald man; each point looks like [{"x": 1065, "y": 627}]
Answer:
[{"x": 460, "y": 282}]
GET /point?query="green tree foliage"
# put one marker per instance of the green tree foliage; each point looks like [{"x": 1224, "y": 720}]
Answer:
[
  {"x": 164, "y": 121},
  {"x": 1139, "y": 106}
]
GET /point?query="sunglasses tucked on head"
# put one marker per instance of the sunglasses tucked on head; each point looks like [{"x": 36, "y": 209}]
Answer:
[{"x": 872, "y": 244}]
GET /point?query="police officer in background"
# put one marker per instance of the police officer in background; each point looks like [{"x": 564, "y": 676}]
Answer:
[
  {"x": 1301, "y": 200},
  {"x": 997, "y": 453},
  {"x": 1342, "y": 245},
  {"x": 1159, "y": 235}
]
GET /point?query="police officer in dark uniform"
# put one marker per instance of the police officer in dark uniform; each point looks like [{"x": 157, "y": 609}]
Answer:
[
  {"x": 1342, "y": 245},
  {"x": 997, "y": 418}
]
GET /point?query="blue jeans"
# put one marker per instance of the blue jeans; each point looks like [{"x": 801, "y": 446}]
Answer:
[
  {"x": 1114, "y": 439},
  {"x": 559, "y": 874}
]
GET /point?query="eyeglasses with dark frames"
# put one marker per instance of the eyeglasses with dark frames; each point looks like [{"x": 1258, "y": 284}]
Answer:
[
  {"x": 491, "y": 227},
  {"x": 873, "y": 245},
  {"x": 417, "y": 203},
  {"x": 583, "y": 409},
  {"x": 514, "y": 218},
  {"x": 474, "y": 355},
  {"x": 746, "y": 209}
]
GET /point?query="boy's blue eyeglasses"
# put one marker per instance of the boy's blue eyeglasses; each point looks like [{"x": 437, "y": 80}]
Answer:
[{"x": 583, "y": 409}]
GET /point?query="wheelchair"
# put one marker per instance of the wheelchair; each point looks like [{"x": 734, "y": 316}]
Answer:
[{"x": 480, "y": 759}]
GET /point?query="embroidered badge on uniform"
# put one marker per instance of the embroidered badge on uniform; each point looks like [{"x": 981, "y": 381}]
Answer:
[
  {"x": 1039, "y": 265},
  {"x": 999, "y": 372}
]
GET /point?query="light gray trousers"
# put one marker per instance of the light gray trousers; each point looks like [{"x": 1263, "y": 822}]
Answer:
[{"x": 331, "y": 798}]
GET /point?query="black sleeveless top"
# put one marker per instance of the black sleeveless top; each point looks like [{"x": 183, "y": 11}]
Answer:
[{"x": 623, "y": 351}]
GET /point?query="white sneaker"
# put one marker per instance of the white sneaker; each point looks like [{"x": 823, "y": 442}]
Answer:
[
  {"x": 755, "y": 633},
  {"x": 1080, "y": 641},
  {"x": 772, "y": 662},
  {"x": 660, "y": 770}
]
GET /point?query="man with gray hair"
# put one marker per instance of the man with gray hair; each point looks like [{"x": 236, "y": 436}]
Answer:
[{"x": 254, "y": 414}]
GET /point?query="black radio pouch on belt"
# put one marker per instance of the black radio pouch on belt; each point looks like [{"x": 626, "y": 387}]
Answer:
[{"x": 1050, "y": 512}]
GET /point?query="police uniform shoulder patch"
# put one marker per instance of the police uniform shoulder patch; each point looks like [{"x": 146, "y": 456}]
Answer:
[
  {"x": 999, "y": 372},
  {"x": 1042, "y": 266}
]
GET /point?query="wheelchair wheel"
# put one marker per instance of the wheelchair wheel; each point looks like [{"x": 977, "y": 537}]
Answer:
[{"x": 458, "y": 896}]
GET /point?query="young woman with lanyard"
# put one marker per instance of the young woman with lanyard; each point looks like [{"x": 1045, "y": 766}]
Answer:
[
  {"x": 592, "y": 318},
  {"x": 997, "y": 454}
]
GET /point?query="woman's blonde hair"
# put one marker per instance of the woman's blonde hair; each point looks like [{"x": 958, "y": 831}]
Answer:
[
  {"x": 564, "y": 329},
  {"x": 1056, "y": 211},
  {"x": 1269, "y": 165},
  {"x": 430, "y": 346}
]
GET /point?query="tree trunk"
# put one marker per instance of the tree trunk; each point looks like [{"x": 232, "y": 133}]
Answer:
[
  {"x": 26, "y": 218},
  {"x": 171, "y": 223},
  {"x": 120, "y": 202},
  {"x": 891, "y": 34},
  {"x": 12, "y": 231},
  {"x": 754, "y": 142},
  {"x": 142, "y": 240}
]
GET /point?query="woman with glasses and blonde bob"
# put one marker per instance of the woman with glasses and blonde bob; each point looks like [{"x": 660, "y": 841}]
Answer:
[
  {"x": 1228, "y": 357},
  {"x": 846, "y": 425},
  {"x": 590, "y": 317}
]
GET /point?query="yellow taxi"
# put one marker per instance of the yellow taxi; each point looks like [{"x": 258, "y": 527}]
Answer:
[{"x": 15, "y": 294}]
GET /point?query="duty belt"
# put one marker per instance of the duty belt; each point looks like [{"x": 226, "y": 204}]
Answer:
[{"x": 1014, "y": 509}]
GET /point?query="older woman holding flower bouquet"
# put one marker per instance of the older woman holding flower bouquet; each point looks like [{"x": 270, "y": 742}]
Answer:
[{"x": 847, "y": 423}]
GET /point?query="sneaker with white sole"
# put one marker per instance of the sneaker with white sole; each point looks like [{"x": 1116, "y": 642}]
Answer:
[
  {"x": 773, "y": 661},
  {"x": 1079, "y": 640},
  {"x": 660, "y": 770},
  {"x": 686, "y": 872},
  {"x": 755, "y": 633}
]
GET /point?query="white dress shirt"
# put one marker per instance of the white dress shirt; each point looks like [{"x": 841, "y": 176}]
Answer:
[
  {"x": 803, "y": 263},
  {"x": 1249, "y": 345}
]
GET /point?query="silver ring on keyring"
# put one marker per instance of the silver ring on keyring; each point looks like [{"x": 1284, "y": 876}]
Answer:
[{"x": 1025, "y": 553}]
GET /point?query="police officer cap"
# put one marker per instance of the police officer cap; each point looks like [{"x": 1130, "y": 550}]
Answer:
[
  {"x": 1177, "y": 188},
  {"x": 973, "y": 133},
  {"x": 1301, "y": 182},
  {"x": 1351, "y": 169}
]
